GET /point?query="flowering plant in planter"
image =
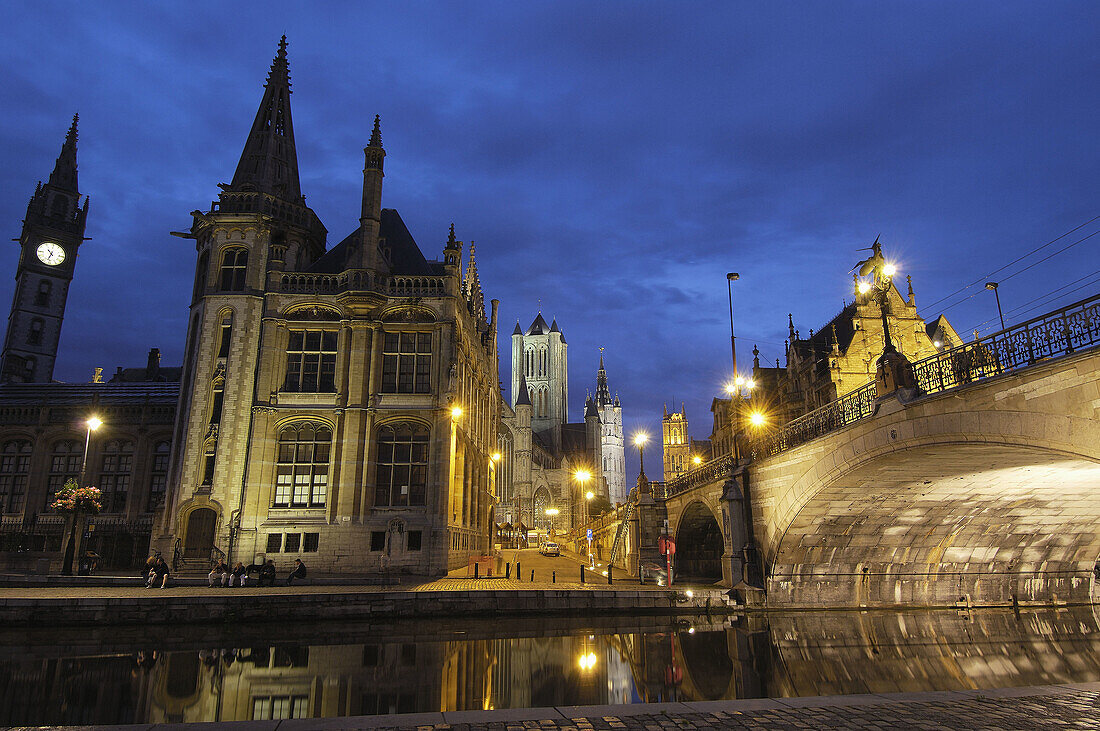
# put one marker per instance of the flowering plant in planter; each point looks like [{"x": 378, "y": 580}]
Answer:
[{"x": 75, "y": 499}]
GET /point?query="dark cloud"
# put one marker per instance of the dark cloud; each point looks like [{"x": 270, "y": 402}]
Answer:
[{"x": 612, "y": 161}]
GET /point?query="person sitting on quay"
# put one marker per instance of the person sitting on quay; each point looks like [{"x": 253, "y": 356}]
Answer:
[
  {"x": 267, "y": 574},
  {"x": 158, "y": 573},
  {"x": 238, "y": 575},
  {"x": 299, "y": 572},
  {"x": 219, "y": 574}
]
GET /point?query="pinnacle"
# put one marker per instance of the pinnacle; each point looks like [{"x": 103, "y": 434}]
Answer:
[{"x": 376, "y": 133}]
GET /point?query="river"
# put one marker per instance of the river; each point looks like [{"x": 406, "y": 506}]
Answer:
[{"x": 120, "y": 675}]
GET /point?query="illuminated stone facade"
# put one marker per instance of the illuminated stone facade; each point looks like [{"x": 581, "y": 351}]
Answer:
[{"x": 319, "y": 411}]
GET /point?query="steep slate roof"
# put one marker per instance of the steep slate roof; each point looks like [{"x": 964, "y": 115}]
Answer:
[
  {"x": 538, "y": 327},
  {"x": 524, "y": 396},
  {"x": 405, "y": 255}
]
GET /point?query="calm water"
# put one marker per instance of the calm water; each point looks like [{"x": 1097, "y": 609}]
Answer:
[{"x": 132, "y": 675}]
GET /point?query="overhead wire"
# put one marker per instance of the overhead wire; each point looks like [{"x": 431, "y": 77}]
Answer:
[
  {"x": 1045, "y": 298},
  {"x": 1014, "y": 274},
  {"x": 1018, "y": 259}
]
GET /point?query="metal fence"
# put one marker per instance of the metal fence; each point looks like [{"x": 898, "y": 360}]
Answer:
[{"x": 1055, "y": 334}]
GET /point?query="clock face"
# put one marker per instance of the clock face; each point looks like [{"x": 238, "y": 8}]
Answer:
[{"x": 50, "y": 253}]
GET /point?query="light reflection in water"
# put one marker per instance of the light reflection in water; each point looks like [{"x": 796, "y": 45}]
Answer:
[{"x": 133, "y": 675}]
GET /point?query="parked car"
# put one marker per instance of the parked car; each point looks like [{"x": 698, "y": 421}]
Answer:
[{"x": 550, "y": 549}]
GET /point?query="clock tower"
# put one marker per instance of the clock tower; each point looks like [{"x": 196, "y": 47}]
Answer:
[{"x": 52, "y": 232}]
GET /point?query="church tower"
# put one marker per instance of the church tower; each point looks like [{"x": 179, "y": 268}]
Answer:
[
  {"x": 52, "y": 232},
  {"x": 675, "y": 443},
  {"x": 614, "y": 446},
  {"x": 539, "y": 357}
]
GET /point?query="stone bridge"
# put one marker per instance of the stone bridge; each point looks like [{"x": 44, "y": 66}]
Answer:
[{"x": 980, "y": 488}]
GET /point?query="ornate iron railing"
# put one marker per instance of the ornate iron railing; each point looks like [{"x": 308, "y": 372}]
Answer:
[
  {"x": 699, "y": 476},
  {"x": 846, "y": 410},
  {"x": 1055, "y": 334}
]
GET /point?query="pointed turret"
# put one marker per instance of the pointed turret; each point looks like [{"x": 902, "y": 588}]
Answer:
[
  {"x": 63, "y": 176},
  {"x": 518, "y": 330},
  {"x": 269, "y": 162},
  {"x": 603, "y": 393},
  {"x": 523, "y": 397},
  {"x": 370, "y": 219},
  {"x": 471, "y": 288}
]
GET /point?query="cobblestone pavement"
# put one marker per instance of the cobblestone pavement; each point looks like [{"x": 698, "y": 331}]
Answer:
[{"x": 1075, "y": 706}]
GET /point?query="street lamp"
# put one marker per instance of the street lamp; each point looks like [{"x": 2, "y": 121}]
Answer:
[
  {"x": 993, "y": 286},
  {"x": 730, "y": 279},
  {"x": 456, "y": 412},
  {"x": 552, "y": 512},
  {"x": 639, "y": 441},
  {"x": 92, "y": 423}
]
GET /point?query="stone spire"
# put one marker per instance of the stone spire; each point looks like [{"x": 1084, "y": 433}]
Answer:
[
  {"x": 471, "y": 287},
  {"x": 63, "y": 176},
  {"x": 269, "y": 162},
  {"x": 523, "y": 397},
  {"x": 603, "y": 393},
  {"x": 370, "y": 218}
]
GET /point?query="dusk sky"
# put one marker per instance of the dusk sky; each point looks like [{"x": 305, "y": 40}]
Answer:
[{"x": 613, "y": 160}]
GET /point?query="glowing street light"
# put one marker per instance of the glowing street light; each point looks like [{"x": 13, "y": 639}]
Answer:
[
  {"x": 757, "y": 419},
  {"x": 697, "y": 460},
  {"x": 456, "y": 412}
]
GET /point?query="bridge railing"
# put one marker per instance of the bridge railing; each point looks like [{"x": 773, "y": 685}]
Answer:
[
  {"x": 711, "y": 471},
  {"x": 1058, "y": 333},
  {"x": 848, "y": 409}
]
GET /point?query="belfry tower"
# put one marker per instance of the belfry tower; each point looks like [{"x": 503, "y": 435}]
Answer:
[
  {"x": 539, "y": 356},
  {"x": 52, "y": 232},
  {"x": 611, "y": 434}
]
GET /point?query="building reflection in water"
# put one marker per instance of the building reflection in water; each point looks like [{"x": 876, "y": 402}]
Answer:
[{"x": 353, "y": 670}]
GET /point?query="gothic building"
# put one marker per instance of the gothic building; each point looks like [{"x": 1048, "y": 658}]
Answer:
[
  {"x": 44, "y": 439},
  {"x": 541, "y": 452},
  {"x": 680, "y": 452},
  {"x": 338, "y": 405},
  {"x": 837, "y": 359}
]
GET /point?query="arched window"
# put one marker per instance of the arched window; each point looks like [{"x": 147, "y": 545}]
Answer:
[
  {"x": 15, "y": 465},
  {"x": 301, "y": 472},
  {"x": 225, "y": 336},
  {"x": 42, "y": 298},
  {"x": 65, "y": 460},
  {"x": 201, "y": 272},
  {"x": 234, "y": 265},
  {"x": 34, "y": 335},
  {"x": 114, "y": 477},
  {"x": 542, "y": 501},
  {"x": 158, "y": 480},
  {"x": 217, "y": 396},
  {"x": 402, "y": 474}
]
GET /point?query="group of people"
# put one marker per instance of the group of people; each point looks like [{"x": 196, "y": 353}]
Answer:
[
  {"x": 221, "y": 575},
  {"x": 157, "y": 573}
]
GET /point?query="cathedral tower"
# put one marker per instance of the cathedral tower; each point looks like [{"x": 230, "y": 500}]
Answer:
[
  {"x": 52, "y": 232},
  {"x": 539, "y": 356},
  {"x": 611, "y": 424},
  {"x": 675, "y": 443}
]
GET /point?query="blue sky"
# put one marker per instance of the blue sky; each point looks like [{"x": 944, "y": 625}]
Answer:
[{"x": 613, "y": 160}]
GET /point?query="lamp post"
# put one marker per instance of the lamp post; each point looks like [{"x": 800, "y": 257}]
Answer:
[
  {"x": 732, "y": 277},
  {"x": 92, "y": 423},
  {"x": 893, "y": 371},
  {"x": 639, "y": 442},
  {"x": 993, "y": 286}
]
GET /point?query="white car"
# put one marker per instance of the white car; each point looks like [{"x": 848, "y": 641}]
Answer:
[{"x": 550, "y": 549}]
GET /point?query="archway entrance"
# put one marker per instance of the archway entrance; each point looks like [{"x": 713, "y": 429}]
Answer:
[
  {"x": 699, "y": 546},
  {"x": 199, "y": 538}
]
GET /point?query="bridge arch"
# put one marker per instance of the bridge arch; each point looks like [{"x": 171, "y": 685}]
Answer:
[
  {"x": 699, "y": 544},
  {"x": 983, "y": 506}
]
